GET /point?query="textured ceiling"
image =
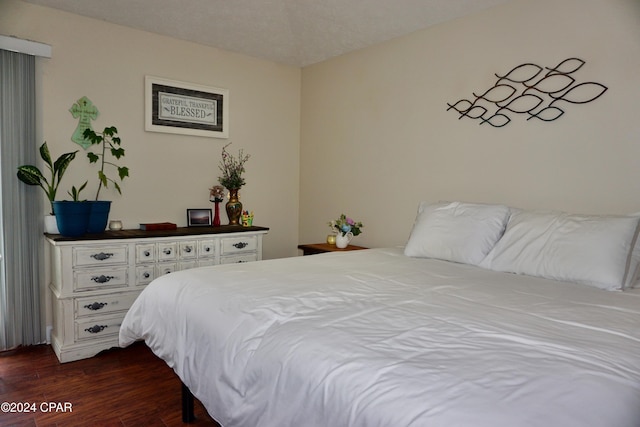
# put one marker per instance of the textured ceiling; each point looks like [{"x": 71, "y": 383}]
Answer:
[{"x": 295, "y": 32}]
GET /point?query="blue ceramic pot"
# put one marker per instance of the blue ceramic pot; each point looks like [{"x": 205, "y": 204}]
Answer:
[
  {"x": 72, "y": 217},
  {"x": 99, "y": 216}
]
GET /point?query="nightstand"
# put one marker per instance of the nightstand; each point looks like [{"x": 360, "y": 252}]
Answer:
[{"x": 320, "y": 248}]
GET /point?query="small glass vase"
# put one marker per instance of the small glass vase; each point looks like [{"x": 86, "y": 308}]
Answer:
[{"x": 234, "y": 207}]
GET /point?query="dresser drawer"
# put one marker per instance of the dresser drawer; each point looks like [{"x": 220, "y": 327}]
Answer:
[
  {"x": 145, "y": 274},
  {"x": 96, "y": 328},
  {"x": 187, "y": 265},
  {"x": 206, "y": 248},
  {"x": 206, "y": 262},
  {"x": 234, "y": 259},
  {"x": 100, "y": 255},
  {"x": 233, "y": 245},
  {"x": 188, "y": 250},
  {"x": 100, "y": 278},
  {"x": 145, "y": 253},
  {"x": 167, "y": 251},
  {"x": 166, "y": 268},
  {"x": 104, "y": 304}
]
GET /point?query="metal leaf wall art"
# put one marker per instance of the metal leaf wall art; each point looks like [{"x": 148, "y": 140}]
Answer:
[{"x": 527, "y": 89}]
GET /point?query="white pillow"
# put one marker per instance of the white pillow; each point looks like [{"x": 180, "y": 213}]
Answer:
[
  {"x": 456, "y": 231},
  {"x": 593, "y": 250}
]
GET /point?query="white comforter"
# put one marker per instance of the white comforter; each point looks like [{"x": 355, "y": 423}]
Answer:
[{"x": 374, "y": 338}]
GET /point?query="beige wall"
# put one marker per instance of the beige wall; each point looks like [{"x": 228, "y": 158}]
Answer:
[
  {"x": 367, "y": 133},
  {"x": 377, "y": 139},
  {"x": 169, "y": 173}
]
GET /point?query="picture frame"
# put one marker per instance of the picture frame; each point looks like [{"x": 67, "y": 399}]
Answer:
[
  {"x": 185, "y": 108},
  {"x": 199, "y": 217}
]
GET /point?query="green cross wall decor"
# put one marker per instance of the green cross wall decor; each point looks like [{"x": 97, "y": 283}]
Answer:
[{"x": 85, "y": 111}]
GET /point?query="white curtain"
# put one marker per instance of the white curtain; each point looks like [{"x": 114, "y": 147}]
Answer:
[{"x": 21, "y": 213}]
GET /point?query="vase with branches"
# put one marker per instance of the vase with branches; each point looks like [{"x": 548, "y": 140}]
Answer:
[{"x": 232, "y": 169}]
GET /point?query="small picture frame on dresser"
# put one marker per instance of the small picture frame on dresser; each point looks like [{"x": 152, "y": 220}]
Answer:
[{"x": 199, "y": 217}]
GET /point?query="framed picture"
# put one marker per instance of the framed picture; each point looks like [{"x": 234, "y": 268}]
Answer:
[
  {"x": 185, "y": 108},
  {"x": 199, "y": 217}
]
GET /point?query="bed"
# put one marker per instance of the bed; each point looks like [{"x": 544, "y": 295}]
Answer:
[{"x": 489, "y": 316}]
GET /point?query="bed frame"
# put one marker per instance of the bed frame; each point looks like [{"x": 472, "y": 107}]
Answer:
[{"x": 188, "y": 415}]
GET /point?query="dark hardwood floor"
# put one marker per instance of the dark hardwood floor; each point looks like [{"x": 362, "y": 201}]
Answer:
[{"x": 118, "y": 387}]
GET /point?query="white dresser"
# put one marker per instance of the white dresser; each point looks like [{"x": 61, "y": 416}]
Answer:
[{"x": 95, "y": 279}]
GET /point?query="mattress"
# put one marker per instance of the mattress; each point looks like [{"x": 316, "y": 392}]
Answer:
[{"x": 376, "y": 338}]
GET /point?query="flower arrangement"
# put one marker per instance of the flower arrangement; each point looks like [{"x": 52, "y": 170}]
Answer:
[
  {"x": 344, "y": 225},
  {"x": 216, "y": 193},
  {"x": 232, "y": 168}
]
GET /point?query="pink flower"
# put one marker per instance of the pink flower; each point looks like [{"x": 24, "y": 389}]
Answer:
[{"x": 344, "y": 225}]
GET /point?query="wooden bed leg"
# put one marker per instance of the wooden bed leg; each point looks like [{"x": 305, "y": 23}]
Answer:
[{"x": 187, "y": 405}]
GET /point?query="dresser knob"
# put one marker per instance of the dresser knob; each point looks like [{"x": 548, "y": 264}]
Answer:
[
  {"x": 102, "y": 278},
  {"x": 146, "y": 275},
  {"x": 147, "y": 253},
  {"x": 241, "y": 245},
  {"x": 188, "y": 249},
  {"x": 95, "y": 305},
  {"x": 207, "y": 249},
  {"x": 167, "y": 251},
  {"x": 96, "y": 329}
]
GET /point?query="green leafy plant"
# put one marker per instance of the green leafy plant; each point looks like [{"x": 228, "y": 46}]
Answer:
[
  {"x": 75, "y": 192},
  {"x": 109, "y": 141},
  {"x": 31, "y": 175}
]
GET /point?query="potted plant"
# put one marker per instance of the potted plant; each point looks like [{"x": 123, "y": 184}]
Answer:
[
  {"x": 73, "y": 215},
  {"x": 31, "y": 175},
  {"x": 109, "y": 143}
]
